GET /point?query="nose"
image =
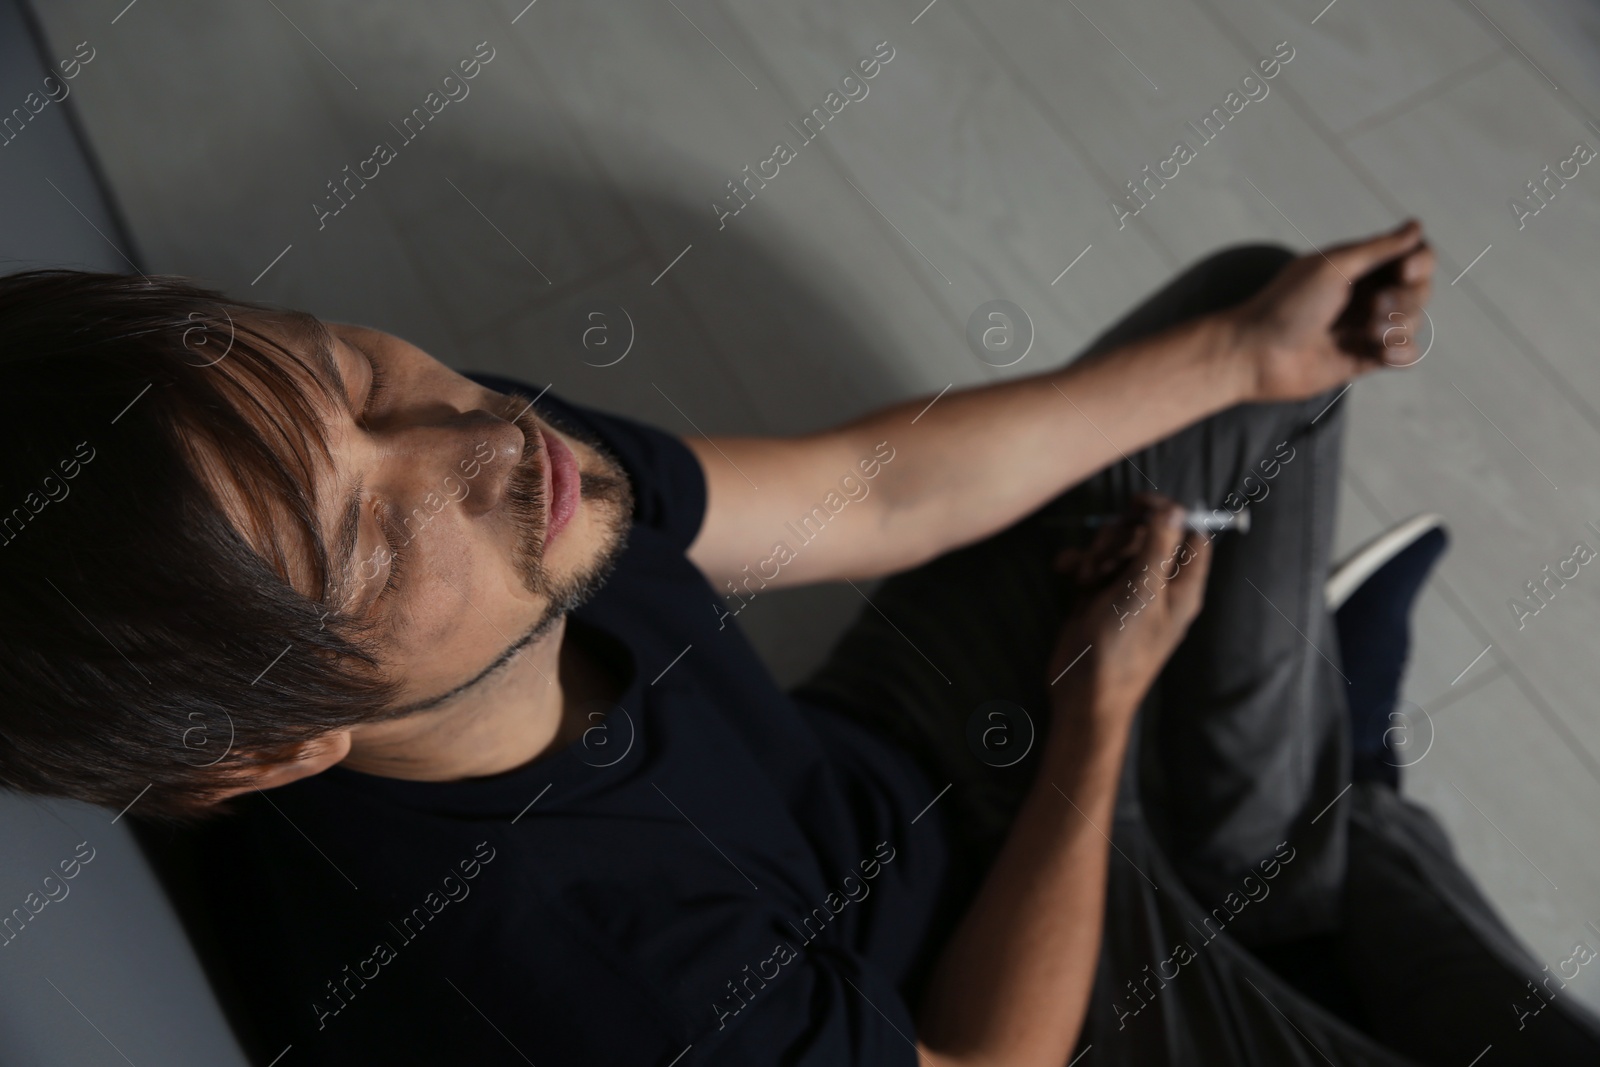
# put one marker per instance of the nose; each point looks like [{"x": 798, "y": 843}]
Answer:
[{"x": 465, "y": 457}]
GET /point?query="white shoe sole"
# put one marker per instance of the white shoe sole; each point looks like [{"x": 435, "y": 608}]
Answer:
[{"x": 1361, "y": 564}]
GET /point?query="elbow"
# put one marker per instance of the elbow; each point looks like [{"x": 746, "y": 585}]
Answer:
[{"x": 927, "y": 1057}]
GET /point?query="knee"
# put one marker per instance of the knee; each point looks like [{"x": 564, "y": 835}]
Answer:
[
  {"x": 1237, "y": 271},
  {"x": 1221, "y": 280}
]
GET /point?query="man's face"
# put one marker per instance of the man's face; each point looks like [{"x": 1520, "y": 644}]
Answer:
[{"x": 461, "y": 523}]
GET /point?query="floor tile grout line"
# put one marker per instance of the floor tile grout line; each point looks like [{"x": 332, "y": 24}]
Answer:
[
  {"x": 561, "y": 292},
  {"x": 1502, "y": 39},
  {"x": 836, "y": 163},
  {"x": 1450, "y": 697},
  {"x": 1553, "y": 375},
  {"x": 646, "y": 243},
  {"x": 1042, "y": 107},
  {"x": 1437, "y": 88},
  {"x": 342, "y": 121},
  {"x": 938, "y": 299}
]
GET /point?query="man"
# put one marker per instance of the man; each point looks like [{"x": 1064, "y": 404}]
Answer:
[{"x": 499, "y": 779}]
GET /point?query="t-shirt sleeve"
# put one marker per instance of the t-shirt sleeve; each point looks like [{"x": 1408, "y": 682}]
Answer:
[{"x": 669, "y": 485}]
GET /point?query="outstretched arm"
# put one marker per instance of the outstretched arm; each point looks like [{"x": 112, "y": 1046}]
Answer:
[{"x": 985, "y": 456}]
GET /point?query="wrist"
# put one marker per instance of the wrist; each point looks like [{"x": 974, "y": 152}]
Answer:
[
  {"x": 1236, "y": 353},
  {"x": 1086, "y": 749},
  {"x": 1086, "y": 715}
]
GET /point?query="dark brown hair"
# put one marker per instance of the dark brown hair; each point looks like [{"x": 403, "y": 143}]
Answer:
[{"x": 145, "y": 641}]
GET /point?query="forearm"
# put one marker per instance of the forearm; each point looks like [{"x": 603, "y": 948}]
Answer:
[
  {"x": 984, "y": 456},
  {"x": 1012, "y": 986}
]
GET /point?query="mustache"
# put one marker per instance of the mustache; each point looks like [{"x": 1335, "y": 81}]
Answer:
[
  {"x": 525, "y": 488},
  {"x": 527, "y": 501}
]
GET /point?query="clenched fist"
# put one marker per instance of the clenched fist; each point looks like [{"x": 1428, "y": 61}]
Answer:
[{"x": 1330, "y": 316}]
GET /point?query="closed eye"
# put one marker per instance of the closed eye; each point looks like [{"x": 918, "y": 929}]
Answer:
[
  {"x": 380, "y": 382},
  {"x": 396, "y": 552},
  {"x": 396, "y": 563},
  {"x": 394, "y": 547}
]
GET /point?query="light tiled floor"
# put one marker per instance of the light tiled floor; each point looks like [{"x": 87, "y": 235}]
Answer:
[{"x": 588, "y": 155}]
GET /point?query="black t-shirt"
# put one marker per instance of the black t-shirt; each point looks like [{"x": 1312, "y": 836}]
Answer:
[{"x": 714, "y": 874}]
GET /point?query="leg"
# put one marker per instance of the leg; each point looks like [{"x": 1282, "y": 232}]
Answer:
[
  {"x": 1173, "y": 989},
  {"x": 1441, "y": 976},
  {"x": 977, "y": 625},
  {"x": 1250, "y": 730}
]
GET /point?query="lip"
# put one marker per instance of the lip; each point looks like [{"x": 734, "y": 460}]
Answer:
[{"x": 561, "y": 476}]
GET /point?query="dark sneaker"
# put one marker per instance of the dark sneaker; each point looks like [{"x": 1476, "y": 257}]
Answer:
[{"x": 1371, "y": 594}]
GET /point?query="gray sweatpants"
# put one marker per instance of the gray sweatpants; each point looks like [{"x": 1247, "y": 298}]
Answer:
[{"x": 1261, "y": 909}]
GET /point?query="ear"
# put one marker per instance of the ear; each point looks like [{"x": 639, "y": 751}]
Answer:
[{"x": 310, "y": 757}]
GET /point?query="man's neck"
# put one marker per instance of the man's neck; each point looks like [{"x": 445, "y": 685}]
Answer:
[{"x": 531, "y": 708}]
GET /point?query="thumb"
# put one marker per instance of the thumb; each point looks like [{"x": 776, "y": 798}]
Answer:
[{"x": 1359, "y": 257}]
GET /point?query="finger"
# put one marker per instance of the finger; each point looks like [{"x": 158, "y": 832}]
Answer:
[
  {"x": 1392, "y": 321},
  {"x": 1110, "y": 554},
  {"x": 1135, "y": 544},
  {"x": 1413, "y": 291},
  {"x": 1184, "y": 591},
  {"x": 1108, "y": 540},
  {"x": 1409, "y": 299},
  {"x": 1400, "y": 325},
  {"x": 1187, "y": 588},
  {"x": 1115, "y": 538},
  {"x": 1359, "y": 257},
  {"x": 1143, "y": 509},
  {"x": 1079, "y": 567},
  {"x": 1419, "y": 264},
  {"x": 1378, "y": 359},
  {"x": 1144, "y": 503},
  {"x": 1092, "y": 559},
  {"x": 1164, "y": 532},
  {"x": 1135, "y": 563},
  {"x": 1123, "y": 539}
]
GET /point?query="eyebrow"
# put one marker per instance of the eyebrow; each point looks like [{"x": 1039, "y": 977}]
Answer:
[
  {"x": 324, "y": 353},
  {"x": 344, "y": 545},
  {"x": 349, "y": 531}
]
